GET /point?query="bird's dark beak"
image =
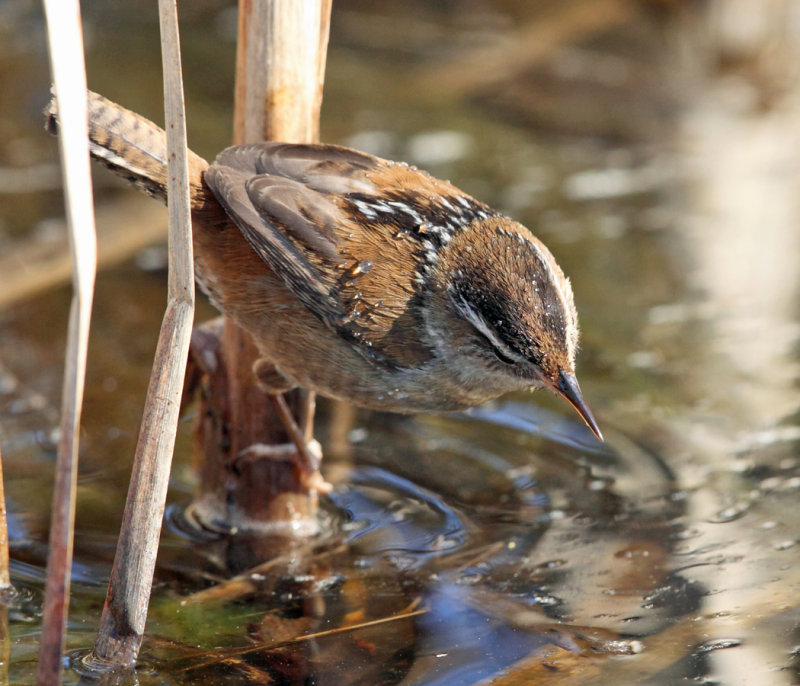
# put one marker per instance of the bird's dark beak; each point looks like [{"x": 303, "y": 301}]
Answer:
[{"x": 567, "y": 386}]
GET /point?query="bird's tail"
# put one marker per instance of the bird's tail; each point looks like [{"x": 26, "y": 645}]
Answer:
[{"x": 132, "y": 147}]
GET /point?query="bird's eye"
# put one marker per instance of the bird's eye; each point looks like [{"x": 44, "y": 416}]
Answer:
[
  {"x": 500, "y": 355},
  {"x": 492, "y": 342},
  {"x": 500, "y": 351}
]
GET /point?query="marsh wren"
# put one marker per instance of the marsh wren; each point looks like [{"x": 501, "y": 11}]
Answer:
[{"x": 365, "y": 280}]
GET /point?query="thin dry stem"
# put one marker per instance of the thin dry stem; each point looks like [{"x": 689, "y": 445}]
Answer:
[
  {"x": 413, "y": 610},
  {"x": 69, "y": 79},
  {"x": 564, "y": 23},
  {"x": 5, "y": 577},
  {"x": 125, "y": 612},
  {"x": 124, "y": 227},
  {"x": 5, "y": 585}
]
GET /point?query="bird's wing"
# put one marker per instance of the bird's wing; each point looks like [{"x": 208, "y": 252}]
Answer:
[{"x": 350, "y": 234}]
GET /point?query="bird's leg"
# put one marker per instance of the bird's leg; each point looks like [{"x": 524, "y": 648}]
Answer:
[
  {"x": 272, "y": 381},
  {"x": 308, "y": 463},
  {"x": 305, "y": 413}
]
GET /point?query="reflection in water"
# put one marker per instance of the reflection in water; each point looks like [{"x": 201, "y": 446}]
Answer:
[{"x": 494, "y": 565}]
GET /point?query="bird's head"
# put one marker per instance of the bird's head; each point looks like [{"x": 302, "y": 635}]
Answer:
[{"x": 510, "y": 311}]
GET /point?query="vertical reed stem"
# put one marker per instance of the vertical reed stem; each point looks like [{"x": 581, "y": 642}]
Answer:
[
  {"x": 279, "y": 76},
  {"x": 69, "y": 82},
  {"x": 125, "y": 612}
]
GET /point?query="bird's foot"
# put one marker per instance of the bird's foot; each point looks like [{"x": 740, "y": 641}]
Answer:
[{"x": 311, "y": 477}]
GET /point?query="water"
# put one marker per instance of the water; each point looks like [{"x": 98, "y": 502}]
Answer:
[{"x": 656, "y": 155}]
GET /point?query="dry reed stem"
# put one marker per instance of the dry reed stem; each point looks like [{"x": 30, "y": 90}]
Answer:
[
  {"x": 5, "y": 585},
  {"x": 564, "y": 23},
  {"x": 5, "y": 576},
  {"x": 280, "y": 64},
  {"x": 124, "y": 227},
  {"x": 69, "y": 79},
  {"x": 225, "y": 654},
  {"x": 125, "y": 612}
]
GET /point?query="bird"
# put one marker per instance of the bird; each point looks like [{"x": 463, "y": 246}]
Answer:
[{"x": 363, "y": 279}]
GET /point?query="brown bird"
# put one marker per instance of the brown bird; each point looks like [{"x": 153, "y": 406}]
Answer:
[{"x": 362, "y": 279}]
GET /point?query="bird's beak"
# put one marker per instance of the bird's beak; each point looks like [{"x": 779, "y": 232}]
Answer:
[{"x": 567, "y": 386}]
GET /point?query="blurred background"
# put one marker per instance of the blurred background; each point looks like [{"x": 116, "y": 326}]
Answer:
[{"x": 654, "y": 146}]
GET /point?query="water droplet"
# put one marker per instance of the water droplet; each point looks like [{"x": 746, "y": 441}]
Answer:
[
  {"x": 470, "y": 578},
  {"x": 544, "y": 600},
  {"x": 358, "y": 270},
  {"x": 623, "y": 647},
  {"x": 550, "y": 564},
  {"x": 402, "y": 562},
  {"x": 445, "y": 542},
  {"x": 729, "y": 514},
  {"x": 717, "y": 644}
]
